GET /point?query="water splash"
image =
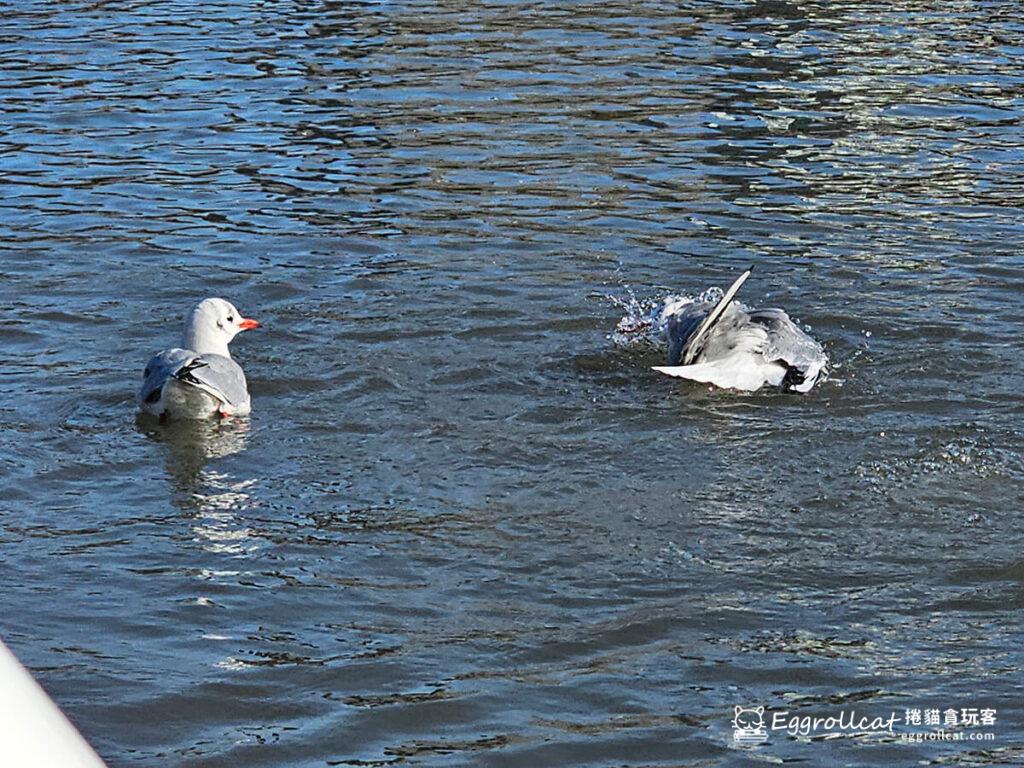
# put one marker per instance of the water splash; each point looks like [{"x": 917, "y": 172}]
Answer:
[
  {"x": 646, "y": 319},
  {"x": 961, "y": 456}
]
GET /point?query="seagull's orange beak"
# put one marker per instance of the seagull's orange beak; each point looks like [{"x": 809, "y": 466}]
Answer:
[{"x": 248, "y": 323}]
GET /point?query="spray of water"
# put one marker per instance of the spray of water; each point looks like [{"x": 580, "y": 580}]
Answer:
[{"x": 646, "y": 319}]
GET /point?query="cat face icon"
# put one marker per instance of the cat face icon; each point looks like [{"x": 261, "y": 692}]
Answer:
[{"x": 748, "y": 725}]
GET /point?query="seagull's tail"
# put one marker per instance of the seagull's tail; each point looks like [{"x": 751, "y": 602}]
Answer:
[
  {"x": 702, "y": 372},
  {"x": 740, "y": 373}
]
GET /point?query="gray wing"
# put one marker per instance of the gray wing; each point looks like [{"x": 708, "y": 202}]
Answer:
[
  {"x": 732, "y": 331},
  {"x": 786, "y": 342},
  {"x": 161, "y": 368},
  {"x": 703, "y": 328},
  {"x": 217, "y": 375},
  {"x": 698, "y": 341},
  {"x": 221, "y": 376}
]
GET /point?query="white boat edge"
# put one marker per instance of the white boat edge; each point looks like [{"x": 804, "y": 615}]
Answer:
[{"x": 34, "y": 733}]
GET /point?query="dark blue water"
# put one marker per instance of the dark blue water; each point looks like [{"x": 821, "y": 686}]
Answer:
[{"x": 461, "y": 527}]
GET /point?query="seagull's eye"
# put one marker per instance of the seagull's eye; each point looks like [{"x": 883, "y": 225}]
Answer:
[{"x": 231, "y": 318}]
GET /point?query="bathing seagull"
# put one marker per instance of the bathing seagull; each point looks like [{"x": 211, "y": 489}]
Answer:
[
  {"x": 725, "y": 343},
  {"x": 199, "y": 379}
]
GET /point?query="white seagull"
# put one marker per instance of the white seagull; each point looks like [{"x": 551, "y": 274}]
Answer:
[
  {"x": 199, "y": 379},
  {"x": 732, "y": 346}
]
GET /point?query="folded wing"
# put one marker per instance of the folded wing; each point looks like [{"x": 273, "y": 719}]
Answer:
[{"x": 218, "y": 376}]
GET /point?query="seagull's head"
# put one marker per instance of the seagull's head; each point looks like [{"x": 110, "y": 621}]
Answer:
[{"x": 214, "y": 323}]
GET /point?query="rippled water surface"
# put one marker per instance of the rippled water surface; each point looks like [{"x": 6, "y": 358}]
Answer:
[{"x": 462, "y": 527}]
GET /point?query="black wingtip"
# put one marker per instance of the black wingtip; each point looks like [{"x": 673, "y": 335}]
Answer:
[
  {"x": 185, "y": 372},
  {"x": 750, "y": 268}
]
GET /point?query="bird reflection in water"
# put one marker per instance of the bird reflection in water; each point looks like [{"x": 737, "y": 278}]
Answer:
[{"x": 215, "y": 500}]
